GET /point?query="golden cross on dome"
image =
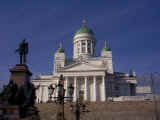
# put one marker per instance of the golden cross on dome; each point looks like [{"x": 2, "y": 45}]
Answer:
[
  {"x": 105, "y": 44},
  {"x": 60, "y": 44},
  {"x": 84, "y": 22}
]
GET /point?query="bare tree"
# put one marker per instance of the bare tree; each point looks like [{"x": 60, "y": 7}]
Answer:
[{"x": 153, "y": 78}]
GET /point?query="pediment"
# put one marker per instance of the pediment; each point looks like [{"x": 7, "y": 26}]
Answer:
[{"x": 82, "y": 67}]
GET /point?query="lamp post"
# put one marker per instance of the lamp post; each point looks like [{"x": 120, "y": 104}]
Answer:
[
  {"x": 50, "y": 92},
  {"x": 60, "y": 99},
  {"x": 77, "y": 112},
  {"x": 61, "y": 96},
  {"x": 79, "y": 107},
  {"x": 70, "y": 91}
]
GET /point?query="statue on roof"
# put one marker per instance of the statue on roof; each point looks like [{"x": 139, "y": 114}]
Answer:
[{"x": 23, "y": 51}]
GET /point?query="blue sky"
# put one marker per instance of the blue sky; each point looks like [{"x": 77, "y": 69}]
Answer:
[{"x": 131, "y": 27}]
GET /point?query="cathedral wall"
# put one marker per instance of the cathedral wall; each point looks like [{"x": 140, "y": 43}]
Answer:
[
  {"x": 95, "y": 62},
  {"x": 124, "y": 89}
]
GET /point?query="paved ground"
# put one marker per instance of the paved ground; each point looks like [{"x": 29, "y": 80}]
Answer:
[{"x": 105, "y": 111}]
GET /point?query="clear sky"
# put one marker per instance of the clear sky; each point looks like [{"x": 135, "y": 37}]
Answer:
[{"x": 131, "y": 27}]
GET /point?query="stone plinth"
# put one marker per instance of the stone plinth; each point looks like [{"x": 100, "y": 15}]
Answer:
[
  {"x": 9, "y": 113},
  {"x": 20, "y": 74},
  {"x": 18, "y": 97}
]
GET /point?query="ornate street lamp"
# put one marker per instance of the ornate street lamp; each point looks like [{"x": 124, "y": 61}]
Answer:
[
  {"x": 70, "y": 92},
  {"x": 60, "y": 98},
  {"x": 50, "y": 92},
  {"x": 60, "y": 90},
  {"x": 79, "y": 107}
]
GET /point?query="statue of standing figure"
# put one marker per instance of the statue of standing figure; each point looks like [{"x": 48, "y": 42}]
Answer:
[{"x": 23, "y": 51}]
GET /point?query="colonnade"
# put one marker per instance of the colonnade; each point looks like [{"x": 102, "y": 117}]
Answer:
[
  {"x": 92, "y": 87},
  {"x": 89, "y": 85}
]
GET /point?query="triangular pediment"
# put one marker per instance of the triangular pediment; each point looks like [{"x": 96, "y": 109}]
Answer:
[{"x": 82, "y": 67}]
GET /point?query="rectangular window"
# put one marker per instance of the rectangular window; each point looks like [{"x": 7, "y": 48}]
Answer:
[
  {"x": 83, "y": 43},
  {"x": 89, "y": 47},
  {"x": 58, "y": 67},
  {"x": 88, "y": 43},
  {"x": 83, "y": 49},
  {"x": 89, "y": 50}
]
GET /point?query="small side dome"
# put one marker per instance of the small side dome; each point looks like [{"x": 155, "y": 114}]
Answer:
[
  {"x": 84, "y": 29},
  {"x": 106, "y": 48},
  {"x": 60, "y": 49}
]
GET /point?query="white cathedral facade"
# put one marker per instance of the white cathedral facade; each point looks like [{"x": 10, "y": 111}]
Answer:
[{"x": 92, "y": 76}]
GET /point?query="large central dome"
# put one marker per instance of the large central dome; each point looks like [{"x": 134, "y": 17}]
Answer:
[
  {"x": 83, "y": 42},
  {"x": 84, "y": 29}
]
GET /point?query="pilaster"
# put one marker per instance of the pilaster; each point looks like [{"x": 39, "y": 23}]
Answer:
[
  {"x": 45, "y": 93},
  {"x": 94, "y": 89},
  {"x": 75, "y": 88},
  {"x": 103, "y": 89},
  {"x": 86, "y": 89},
  {"x": 80, "y": 48},
  {"x": 39, "y": 94},
  {"x": 66, "y": 86},
  {"x": 42, "y": 95},
  {"x": 86, "y": 47},
  {"x": 91, "y": 43}
]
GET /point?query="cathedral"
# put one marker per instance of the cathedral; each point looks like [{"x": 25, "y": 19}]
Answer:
[{"x": 92, "y": 76}]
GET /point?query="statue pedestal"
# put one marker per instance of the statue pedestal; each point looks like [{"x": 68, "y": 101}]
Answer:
[
  {"x": 20, "y": 75},
  {"x": 18, "y": 97},
  {"x": 13, "y": 113},
  {"x": 9, "y": 113}
]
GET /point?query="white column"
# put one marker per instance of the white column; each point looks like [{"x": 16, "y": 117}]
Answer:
[
  {"x": 45, "y": 93},
  {"x": 75, "y": 88},
  {"x": 56, "y": 91},
  {"x": 38, "y": 94},
  {"x": 80, "y": 47},
  {"x": 86, "y": 89},
  {"x": 42, "y": 93},
  {"x": 94, "y": 89},
  {"x": 66, "y": 87},
  {"x": 103, "y": 89},
  {"x": 86, "y": 46},
  {"x": 92, "y": 47}
]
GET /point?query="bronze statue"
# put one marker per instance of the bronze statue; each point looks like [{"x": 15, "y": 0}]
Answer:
[
  {"x": 22, "y": 96},
  {"x": 23, "y": 51}
]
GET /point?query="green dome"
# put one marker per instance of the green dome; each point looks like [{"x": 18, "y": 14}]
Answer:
[
  {"x": 60, "y": 50},
  {"x": 84, "y": 29},
  {"x": 106, "y": 49}
]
